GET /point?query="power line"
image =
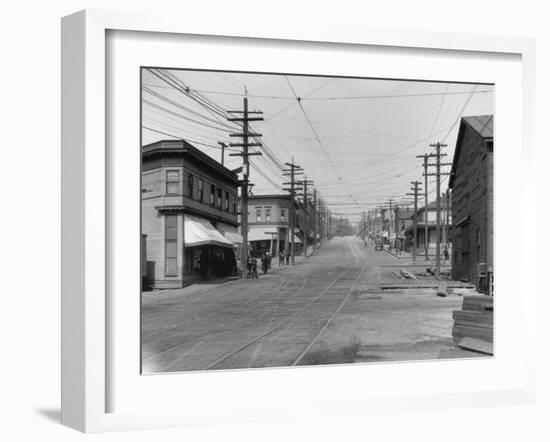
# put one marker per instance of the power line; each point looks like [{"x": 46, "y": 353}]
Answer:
[
  {"x": 181, "y": 106},
  {"x": 293, "y": 103},
  {"x": 168, "y": 111},
  {"x": 317, "y": 137},
  {"x": 368, "y": 97},
  {"x": 180, "y": 138},
  {"x": 440, "y": 107}
]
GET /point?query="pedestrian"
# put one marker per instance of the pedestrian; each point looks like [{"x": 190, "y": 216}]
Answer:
[
  {"x": 249, "y": 267},
  {"x": 287, "y": 257},
  {"x": 268, "y": 261},
  {"x": 254, "y": 268},
  {"x": 281, "y": 257},
  {"x": 446, "y": 253},
  {"x": 264, "y": 262}
]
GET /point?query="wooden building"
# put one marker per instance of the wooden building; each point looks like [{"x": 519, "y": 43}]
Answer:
[
  {"x": 189, "y": 215},
  {"x": 426, "y": 227},
  {"x": 269, "y": 223},
  {"x": 471, "y": 182}
]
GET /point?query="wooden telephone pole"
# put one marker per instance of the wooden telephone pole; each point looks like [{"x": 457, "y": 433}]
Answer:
[
  {"x": 305, "y": 183},
  {"x": 415, "y": 190},
  {"x": 426, "y": 231},
  {"x": 437, "y": 155},
  {"x": 223, "y": 146},
  {"x": 245, "y": 119},
  {"x": 292, "y": 171},
  {"x": 315, "y": 219}
]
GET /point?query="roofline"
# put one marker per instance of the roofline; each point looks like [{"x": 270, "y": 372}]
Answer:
[
  {"x": 273, "y": 196},
  {"x": 463, "y": 122},
  {"x": 167, "y": 146}
]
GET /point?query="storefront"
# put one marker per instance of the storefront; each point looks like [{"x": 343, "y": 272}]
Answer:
[{"x": 208, "y": 253}]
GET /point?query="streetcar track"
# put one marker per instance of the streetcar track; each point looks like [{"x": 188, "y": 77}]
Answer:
[
  {"x": 331, "y": 318},
  {"x": 175, "y": 329},
  {"x": 224, "y": 326},
  {"x": 289, "y": 318}
]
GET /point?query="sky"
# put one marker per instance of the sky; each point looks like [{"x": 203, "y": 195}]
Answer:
[{"x": 356, "y": 138}]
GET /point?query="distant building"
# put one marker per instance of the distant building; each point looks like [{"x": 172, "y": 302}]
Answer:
[
  {"x": 403, "y": 218},
  {"x": 472, "y": 184},
  {"x": 429, "y": 213},
  {"x": 269, "y": 223},
  {"x": 189, "y": 215}
]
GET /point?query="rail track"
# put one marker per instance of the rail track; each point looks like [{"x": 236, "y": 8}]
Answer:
[
  {"x": 317, "y": 314},
  {"x": 296, "y": 286}
]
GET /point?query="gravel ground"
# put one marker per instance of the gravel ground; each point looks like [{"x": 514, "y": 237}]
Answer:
[{"x": 327, "y": 309}]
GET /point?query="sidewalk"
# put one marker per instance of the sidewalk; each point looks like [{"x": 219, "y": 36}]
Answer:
[
  {"x": 401, "y": 255},
  {"x": 205, "y": 285},
  {"x": 420, "y": 258}
]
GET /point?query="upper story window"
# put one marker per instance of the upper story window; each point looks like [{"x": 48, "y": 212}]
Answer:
[
  {"x": 219, "y": 200},
  {"x": 172, "y": 182},
  {"x": 258, "y": 213},
  {"x": 226, "y": 202},
  {"x": 212, "y": 193},
  {"x": 268, "y": 213},
  {"x": 233, "y": 204},
  {"x": 190, "y": 185},
  {"x": 200, "y": 188},
  {"x": 283, "y": 214}
]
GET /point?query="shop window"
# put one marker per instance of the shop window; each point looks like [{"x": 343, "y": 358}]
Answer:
[
  {"x": 170, "y": 245},
  {"x": 172, "y": 182}
]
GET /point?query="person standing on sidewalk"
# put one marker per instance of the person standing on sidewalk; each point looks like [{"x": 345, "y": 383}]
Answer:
[
  {"x": 281, "y": 258},
  {"x": 254, "y": 268},
  {"x": 287, "y": 257}
]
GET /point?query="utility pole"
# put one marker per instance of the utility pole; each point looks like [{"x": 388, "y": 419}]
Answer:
[
  {"x": 437, "y": 155},
  {"x": 305, "y": 183},
  {"x": 223, "y": 146},
  {"x": 426, "y": 232},
  {"x": 445, "y": 239},
  {"x": 327, "y": 222},
  {"x": 292, "y": 171},
  {"x": 390, "y": 201},
  {"x": 245, "y": 119},
  {"x": 415, "y": 189},
  {"x": 315, "y": 217},
  {"x": 396, "y": 221}
]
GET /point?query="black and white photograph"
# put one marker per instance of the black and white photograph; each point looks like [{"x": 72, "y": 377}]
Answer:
[{"x": 292, "y": 220}]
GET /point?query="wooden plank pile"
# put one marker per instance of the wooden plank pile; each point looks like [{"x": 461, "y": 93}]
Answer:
[{"x": 473, "y": 325}]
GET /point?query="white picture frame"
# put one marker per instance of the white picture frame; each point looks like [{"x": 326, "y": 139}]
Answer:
[{"x": 85, "y": 203}]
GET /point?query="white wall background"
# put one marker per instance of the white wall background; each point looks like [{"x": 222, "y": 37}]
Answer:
[{"x": 30, "y": 217}]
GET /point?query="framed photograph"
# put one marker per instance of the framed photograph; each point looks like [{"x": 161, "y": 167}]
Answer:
[{"x": 290, "y": 222}]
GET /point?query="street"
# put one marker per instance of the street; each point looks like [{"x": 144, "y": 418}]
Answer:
[{"x": 334, "y": 307}]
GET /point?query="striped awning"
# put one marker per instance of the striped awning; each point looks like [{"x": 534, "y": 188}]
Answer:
[
  {"x": 230, "y": 233},
  {"x": 262, "y": 233},
  {"x": 200, "y": 232}
]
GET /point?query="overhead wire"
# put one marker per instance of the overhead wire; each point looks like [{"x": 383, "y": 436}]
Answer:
[{"x": 317, "y": 138}]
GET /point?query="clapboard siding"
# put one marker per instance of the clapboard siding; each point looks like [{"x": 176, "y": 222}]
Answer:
[{"x": 472, "y": 204}]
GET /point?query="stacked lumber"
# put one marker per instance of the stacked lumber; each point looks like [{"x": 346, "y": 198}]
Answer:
[{"x": 473, "y": 325}]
